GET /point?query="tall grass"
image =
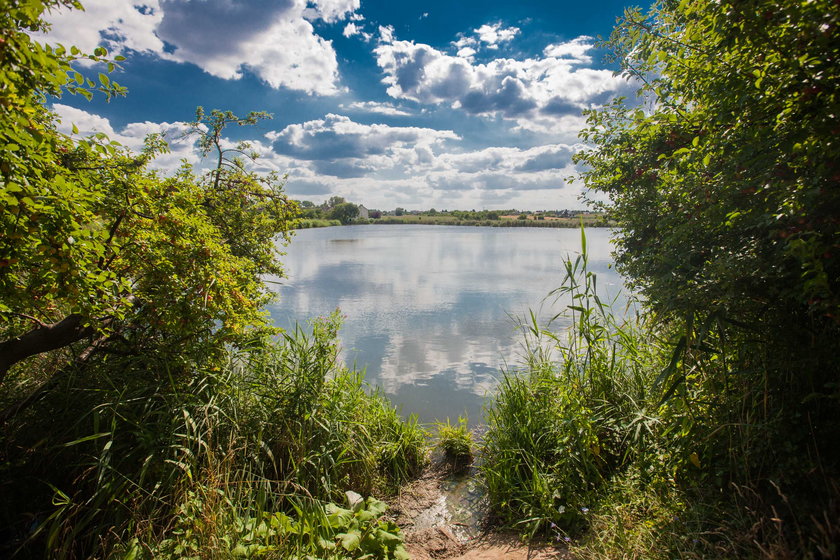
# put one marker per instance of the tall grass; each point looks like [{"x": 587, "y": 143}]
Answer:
[
  {"x": 158, "y": 459},
  {"x": 563, "y": 428},
  {"x": 646, "y": 437}
]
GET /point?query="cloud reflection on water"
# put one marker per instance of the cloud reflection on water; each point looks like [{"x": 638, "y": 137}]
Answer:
[{"x": 429, "y": 307}]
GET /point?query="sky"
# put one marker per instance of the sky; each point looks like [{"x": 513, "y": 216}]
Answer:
[{"x": 474, "y": 104}]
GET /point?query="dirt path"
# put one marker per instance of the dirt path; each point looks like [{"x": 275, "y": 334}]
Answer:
[{"x": 438, "y": 523}]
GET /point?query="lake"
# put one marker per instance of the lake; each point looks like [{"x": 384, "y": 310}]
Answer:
[{"x": 429, "y": 309}]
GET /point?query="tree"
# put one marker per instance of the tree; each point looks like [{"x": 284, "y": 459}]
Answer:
[
  {"x": 345, "y": 212},
  {"x": 725, "y": 177},
  {"x": 97, "y": 248},
  {"x": 334, "y": 201},
  {"x": 725, "y": 180}
]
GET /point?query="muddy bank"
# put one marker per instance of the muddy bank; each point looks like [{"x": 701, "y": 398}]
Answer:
[{"x": 444, "y": 515}]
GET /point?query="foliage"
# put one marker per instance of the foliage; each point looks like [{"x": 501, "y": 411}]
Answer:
[
  {"x": 455, "y": 441},
  {"x": 726, "y": 184},
  {"x": 308, "y": 223},
  {"x": 724, "y": 180},
  {"x": 559, "y": 432},
  {"x": 590, "y": 446},
  {"x": 313, "y": 529},
  {"x": 90, "y": 234},
  {"x": 344, "y": 212},
  {"x": 126, "y": 450}
]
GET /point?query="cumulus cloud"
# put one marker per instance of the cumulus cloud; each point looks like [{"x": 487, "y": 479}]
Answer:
[
  {"x": 332, "y": 10},
  {"x": 378, "y": 165},
  {"x": 493, "y": 34},
  {"x": 337, "y": 137},
  {"x": 352, "y": 29},
  {"x": 542, "y": 88},
  {"x": 274, "y": 39},
  {"x": 489, "y": 36},
  {"x": 116, "y": 25},
  {"x": 575, "y": 50}
]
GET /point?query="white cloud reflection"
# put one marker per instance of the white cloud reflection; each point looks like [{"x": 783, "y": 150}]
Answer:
[{"x": 428, "y": 309}]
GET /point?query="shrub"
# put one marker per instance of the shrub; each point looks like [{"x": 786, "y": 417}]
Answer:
[{"x": 137, "y": 445}]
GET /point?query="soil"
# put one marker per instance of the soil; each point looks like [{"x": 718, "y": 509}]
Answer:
[{"x": 436, "y": 526}]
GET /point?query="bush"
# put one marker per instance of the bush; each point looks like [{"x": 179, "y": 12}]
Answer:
[{"x": 136, "y": 444}]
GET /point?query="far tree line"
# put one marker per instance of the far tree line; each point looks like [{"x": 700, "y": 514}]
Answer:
[{"x": 337, "y": 208}]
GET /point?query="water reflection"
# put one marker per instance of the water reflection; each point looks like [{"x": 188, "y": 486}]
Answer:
[{"x": 428, "y": 307}]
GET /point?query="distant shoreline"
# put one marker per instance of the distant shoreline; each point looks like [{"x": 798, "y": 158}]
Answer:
[{"x": 430, "y": 221}]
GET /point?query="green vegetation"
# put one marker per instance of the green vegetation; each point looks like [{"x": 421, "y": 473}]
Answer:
[
  {"x": 455, "y": 441},
  {"x": 707, "y": 425},
  {"x": 316, "y": 223},
  {"x": 148, "y": 408},
  {"x": 150, "y": 411},
  {"x": 466, "y": 218},
  {"x": 337, "y": 211},
  {"x": 561, "y": 430},
  {"x": 180, "y": 463}
]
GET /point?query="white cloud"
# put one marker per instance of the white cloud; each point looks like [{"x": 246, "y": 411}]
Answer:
[
  {"x": 375, "y": 107},
  {"x": 339, "y": 146},
  {"x": 379, "y": 165},
  {"x": 352, "y": 29},
  {"x": 386, "y": 33},
  {"x": 541, "y": 89},
  {"x": 575, "y": 50},
  {"x": 488, "y": 36},
  {"x": 116, "y": 25},
  {"x": 273, "y": 39},
  {"x": 493, "y": 34},
  {"x": 466, "y": 52},
  {"x": 465, "y": 41},
  {"x": 384, "y": 166},
  {"x": 332, "y": 11}
]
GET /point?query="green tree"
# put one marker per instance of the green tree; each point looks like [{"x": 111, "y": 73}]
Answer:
[
  {"x": 725, "y": 176},
  {"x": 97, "y": 248},
  {"x": 345, "y": 212},
  {"x": 334, "y": 201},
  {"x": 725, "y": 180}
]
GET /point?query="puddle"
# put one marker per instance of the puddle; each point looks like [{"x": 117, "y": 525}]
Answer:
[{"x": 466, "y": 504}]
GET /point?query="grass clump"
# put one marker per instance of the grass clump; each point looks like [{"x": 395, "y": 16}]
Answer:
[
  {"x": 308, "y": 223},
  {"x": 141, "y": 454},
  {"x": 649, "y": 438},
  {"x": 560, "y": 430},
  {"x": 455, "y": 441}
]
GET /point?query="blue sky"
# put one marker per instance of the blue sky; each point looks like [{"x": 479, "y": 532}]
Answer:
[{"x": 451, "y": 105}]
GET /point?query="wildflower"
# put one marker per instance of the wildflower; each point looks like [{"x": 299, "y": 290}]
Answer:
[
  {"x": 567, "y": 539},
  {"x": 584, "y": 510}
]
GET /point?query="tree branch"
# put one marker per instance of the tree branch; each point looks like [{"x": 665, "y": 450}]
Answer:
[
  {"x": 42, "y": 338},
  {"x": 33, "y": 397}
]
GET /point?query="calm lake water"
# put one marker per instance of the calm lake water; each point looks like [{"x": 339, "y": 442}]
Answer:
[{"x": 429, "y": 308}]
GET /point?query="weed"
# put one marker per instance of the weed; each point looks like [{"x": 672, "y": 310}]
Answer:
[{"x": 455, "y": 441}]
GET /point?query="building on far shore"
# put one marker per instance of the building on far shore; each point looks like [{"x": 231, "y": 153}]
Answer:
[{"x": 363, "y": 213}]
